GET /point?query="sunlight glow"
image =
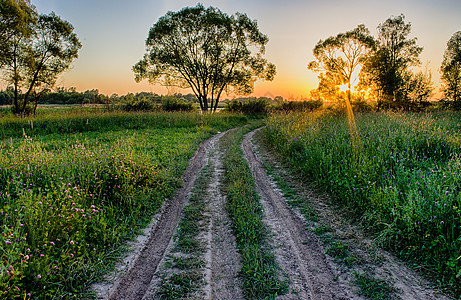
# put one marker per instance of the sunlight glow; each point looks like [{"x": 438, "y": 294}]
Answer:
[{"x": 343, "y": 88}]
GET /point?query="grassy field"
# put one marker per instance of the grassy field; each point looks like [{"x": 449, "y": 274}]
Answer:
[
  {"x": 403, "y": 179},
  {"x": 75, "y": 186}
]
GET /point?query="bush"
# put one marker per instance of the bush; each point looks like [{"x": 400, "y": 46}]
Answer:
[
  {"x": 307, "y": 105},
  {"x": 252, "y": 107},
  {"x": 174, "y": 104},
  {"x": 141, "y": 104}
]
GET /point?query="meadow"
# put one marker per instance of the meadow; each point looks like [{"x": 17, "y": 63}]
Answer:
[
  {"x": 401, "y": 180},
  {"x": 76, "y": 185}
]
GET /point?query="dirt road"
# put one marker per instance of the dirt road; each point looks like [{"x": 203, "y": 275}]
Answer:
[{"x": 301, "y": 254}]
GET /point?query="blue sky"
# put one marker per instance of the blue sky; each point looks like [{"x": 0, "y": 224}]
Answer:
[{"x": 113, "y": 33}]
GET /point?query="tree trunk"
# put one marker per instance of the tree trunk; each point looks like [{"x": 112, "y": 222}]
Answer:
[
  {"x": 216, "y": 105},
  {"x": 26, "y": 96}
]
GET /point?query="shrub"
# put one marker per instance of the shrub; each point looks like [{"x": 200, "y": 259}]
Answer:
[
  {"x": 307, "y": 105},
  {"x": 251, "y": 107},
  {"x": 174, "y": 104},
  {"x": 141, "y": 104}
]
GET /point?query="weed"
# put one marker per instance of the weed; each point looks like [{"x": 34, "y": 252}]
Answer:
[{"x": 374, "y": 288}]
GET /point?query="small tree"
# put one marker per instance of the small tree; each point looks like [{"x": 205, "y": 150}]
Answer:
[
  {"x": 340, "y": 57},
  {"x": 51, "y": 51},
  {"x": 205, "y": 50},
  {"x": 451, "y": 70}
]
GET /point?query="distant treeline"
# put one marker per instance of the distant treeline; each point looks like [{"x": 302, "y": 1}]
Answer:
[
  {"x": 148, "y": 101},
  {"x": 71, "y": 96}
]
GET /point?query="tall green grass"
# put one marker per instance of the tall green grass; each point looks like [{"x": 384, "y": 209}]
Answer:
[
  {"x": 74, "y": 121},
  {"x": 69, "y": 200},
  {"x": 405, "y": 182}
]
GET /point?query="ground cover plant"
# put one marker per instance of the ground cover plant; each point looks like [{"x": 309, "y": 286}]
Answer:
[
  {"x": 70, "y": 198},
  {"x": 260, "y": 272},
  {"x": 403, "y": 178}
]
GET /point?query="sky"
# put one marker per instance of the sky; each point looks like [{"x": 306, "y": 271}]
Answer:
[{"x": 113, "y": 34}]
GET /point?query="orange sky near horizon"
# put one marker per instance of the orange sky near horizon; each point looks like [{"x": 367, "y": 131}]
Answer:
[{"x": 113, "y": 33}]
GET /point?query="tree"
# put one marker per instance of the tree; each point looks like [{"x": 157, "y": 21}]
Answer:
[
  {"x": 16, "y": 20},
  {"x": 386, "y": 69},
  {"x": 416, "y": 90},
  {"x": 205, "y": 50},
  {"x": 451, "y": 70},
  {"x": 50, "y": 52},
  {"x": 339, "y": 58}
]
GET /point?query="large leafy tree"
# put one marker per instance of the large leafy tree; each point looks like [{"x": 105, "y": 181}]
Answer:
[
  {"x": 387, "y": 68},
  {"x": 451, "y": 70},
  {"x": 17, "y": 18},
  {"x": 49, "y": 53},
  {"x": 206, "y": 50}
]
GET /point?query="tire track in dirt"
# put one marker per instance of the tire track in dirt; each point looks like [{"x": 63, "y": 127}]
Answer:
[
  {"x": 298, "y": 251},
  {"x": 223, "y": 261},
  {"x": 138, "y": 278},
  {"x": 143, "y": 278},
  {"x": 370, "y": 259}
]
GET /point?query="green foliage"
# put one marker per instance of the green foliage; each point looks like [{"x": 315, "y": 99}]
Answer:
[
  {"x": 405, "y": 182},
  {"x": 141, "y": 104},
  {"x": 70, "y": 196},
  {"x": 376, "y": 289},
  {"x": 174, "y": 104},
  {"x": 451, "y": 71},
  {"x": 259, "y": 269},
  {"x": 386, "y": 70},
  {"x": 257, "y": 106},
  {"x": 299, "y": 106},
  {"x": 206, "y": 50}
]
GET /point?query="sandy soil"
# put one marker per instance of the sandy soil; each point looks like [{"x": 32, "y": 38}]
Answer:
[{"x": 312, "y": 273}]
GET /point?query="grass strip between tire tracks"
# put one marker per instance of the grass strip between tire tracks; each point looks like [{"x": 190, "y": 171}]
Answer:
[
  {"x": 259, "y": 268},
  {"x": 187, "y": 260}
]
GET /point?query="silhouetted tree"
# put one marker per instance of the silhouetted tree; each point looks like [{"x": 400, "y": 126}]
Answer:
[
  {"x": 386, "y": 69},
  {"x": 451, "y": 70},
  {"x": 205, "y": 50},
  {"x": 339, "y": 57}
]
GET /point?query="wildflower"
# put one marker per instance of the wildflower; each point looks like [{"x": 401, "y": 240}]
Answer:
[
  {"x": 39, "y": 276},
  {"x": 442, "y": 222}
]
